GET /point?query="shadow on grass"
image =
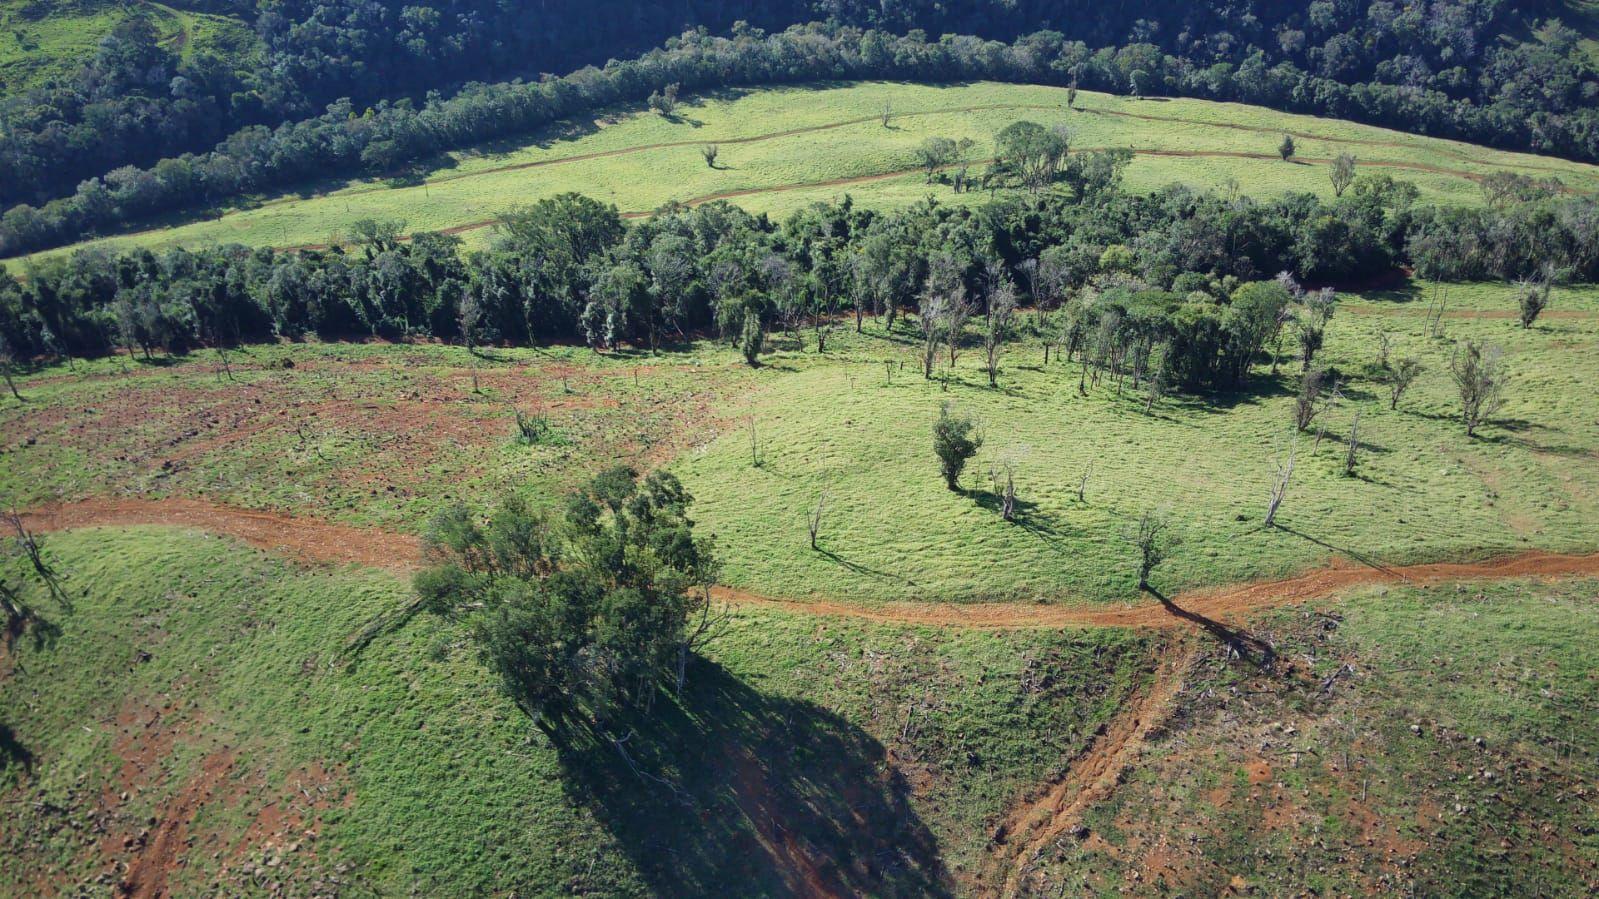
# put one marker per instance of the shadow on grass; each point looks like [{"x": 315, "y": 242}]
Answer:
[
  {"x": 858, "y": 568},
  {"x": 12, "y": 752},
  {"x": 763, "y": 795},
  {"x": 1362, "y": 558}
]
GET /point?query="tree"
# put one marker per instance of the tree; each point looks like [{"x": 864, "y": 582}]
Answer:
[
  {"x": 585, "y": 612},
  {"x": 936, "y": 152},
  {"x": 930, "y": 320},
  {"x": 1002, "y": 474},
  {"x": 1351, "y": 455},
  {"x": 1034, "y": 153},
  {"x": 1001, "y": 310},
  {"x": 1071, "y": 94},
  {"x": 1286, "y": 149},
  {"x": 752, "y": 338},
  {"x": 954, "y": 443},
  {"x": 1283, "y": 475},
  {"x": 886, "y": 113},
  {"x": 1532, "y": 297},
  {"x": 710, "y": 152},
  {"x": 23, "y": 560},
  {"x": 1343, "y": 173},
  {"x": 1154, "y": 539},
  {"x": 813, "y": 522},
  {"x": 8, "y": 359},
  {"x": 1314, "y": 312},
  {"x": 1405, "y": 372},
  {"x": 1315, "y": 397},
  {"x": 1480, "y": 377}
]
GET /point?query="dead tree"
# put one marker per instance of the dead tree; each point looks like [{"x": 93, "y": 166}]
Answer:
[
  {"x": 813, "y": 522},
  {"x": 1279, "y": 484},
  {"x": 1351, "y": 455}
]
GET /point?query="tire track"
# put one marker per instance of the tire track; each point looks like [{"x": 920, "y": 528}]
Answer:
[
  {"x": 1036, "y": 822},
  {"x": 314, "y": 540}
]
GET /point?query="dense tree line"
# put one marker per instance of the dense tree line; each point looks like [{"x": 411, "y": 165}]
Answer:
[
  {"x": 1428, "y": 67},
  {"x": 1108, "y": 273}
]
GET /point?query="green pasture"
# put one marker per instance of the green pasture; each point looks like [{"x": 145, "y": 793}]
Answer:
[
  {"x": 891, "y": 530},
  {"x": 45, "y": 39},
  {"x": 385, "y": 435},
  {"x": 781, "y": 148},
  {"x": 413, "y": 773}
]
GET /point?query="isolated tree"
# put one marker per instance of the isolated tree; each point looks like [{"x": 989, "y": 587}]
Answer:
[
  {"x": 1405, "y": 371},
  {"x": 1286, "y": 149},
  {"x": 1001, "y": 311},
  {"x": 936, "y": 152},
  {"x": 1343, "y": 173},
  {"x": 1315, "y": 396},
  {"x": 954, "y": 443},
  {"x": 1532, "y": 297},
  {"x": 1282, "y": 476},
  {"x": 710, "y": 152},
  {"x": 469, "y": 317},
  {"x": 1154, "y": 539},
  {"x": 1480, "y": 377},
  {"x": 886, "y": 113},
  {"x": 1002, "y": 474},
  {"x": 813, "y": 521},
  {"x": 584, "y": 613},
  {"x": 1352, "y": 452},
  {"x": 1071, "y": 94},
  {"x": 8, "y": 360}
]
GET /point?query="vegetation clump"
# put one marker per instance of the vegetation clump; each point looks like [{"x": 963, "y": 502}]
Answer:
[{"x": 588, "y": 611}]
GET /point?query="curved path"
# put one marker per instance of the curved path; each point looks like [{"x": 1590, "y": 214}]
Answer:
[{"x": 314, "y": 540}]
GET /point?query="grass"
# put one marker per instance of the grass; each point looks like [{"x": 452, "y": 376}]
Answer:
[
  {"x": 40, "y": 41},
  {"x": 886, "y": 749},
  {"x": 892, "y": 531},
  {"x": 1449, "y": 758},
  {"x": 648, "y": 160},
  {"x": 385, "y": 435}
]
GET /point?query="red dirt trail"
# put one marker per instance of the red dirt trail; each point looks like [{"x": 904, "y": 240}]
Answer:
[{"x": 314, "y": 540}]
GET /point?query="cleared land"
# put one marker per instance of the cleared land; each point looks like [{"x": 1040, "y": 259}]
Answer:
[
  {"x": 385, "y": 435},
  {"x": 782, "y": 148}
]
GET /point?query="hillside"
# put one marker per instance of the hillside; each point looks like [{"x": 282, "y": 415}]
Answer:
[
  {"x": 781, "y": 149},
  {"x": 42, "y": 40},
  {"x": 1010, "y": 449}
]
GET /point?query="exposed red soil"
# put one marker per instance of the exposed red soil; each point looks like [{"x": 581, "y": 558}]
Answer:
[
  {"x": 306, "y": 539},
  {"x": 1034, "y": 824},
  {"x": 314, "y": 540},
  {"x": 162, "y": 852}
]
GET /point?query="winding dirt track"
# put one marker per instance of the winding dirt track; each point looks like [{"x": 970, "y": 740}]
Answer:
[{"x": 313, "y": 540}]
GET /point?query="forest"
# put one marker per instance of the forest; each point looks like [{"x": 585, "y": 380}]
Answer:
[{"x": 367, "y": 88}]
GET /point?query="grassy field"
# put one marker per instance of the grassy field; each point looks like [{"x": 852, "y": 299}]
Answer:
[
  {"x": 1430, "y": 742},
  {"x": 867, "y": 757},
  {"x": 44, "y": 39},
  {"x": 385, "y": 435},
  {"x": 782, "y": 148}
]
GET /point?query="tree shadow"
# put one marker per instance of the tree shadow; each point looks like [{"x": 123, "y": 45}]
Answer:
[
  {"x": 1246, "y": 646},
  {"x": 729, "y": 791},
  {"x": 12, "y": 752},
  {"x": 858, "y": 568},
  {"x": 1362, "y": 558}
]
